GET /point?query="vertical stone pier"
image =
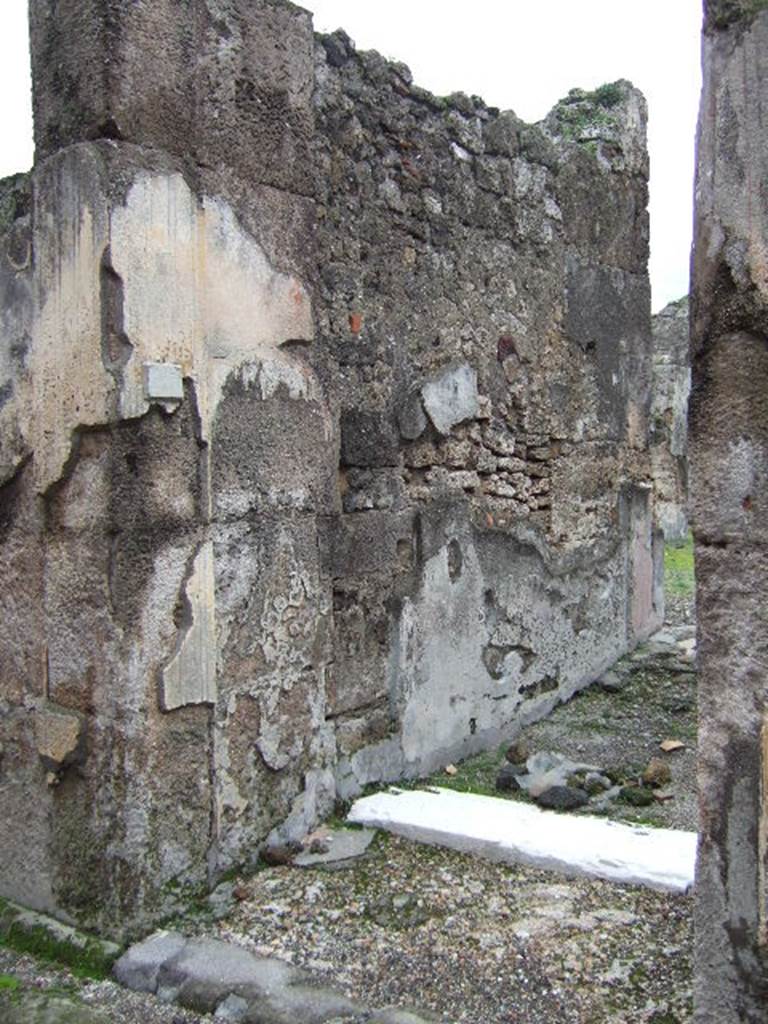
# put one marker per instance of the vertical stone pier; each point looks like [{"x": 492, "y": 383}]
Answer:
[{"x": 729, "y": 475}]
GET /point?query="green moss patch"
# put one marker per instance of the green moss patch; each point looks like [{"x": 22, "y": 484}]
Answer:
[
  {"x": 679, "y": 575},
  {"x": 84, "y": 955}
]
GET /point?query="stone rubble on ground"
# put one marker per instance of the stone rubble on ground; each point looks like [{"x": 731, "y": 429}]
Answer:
[
  {"x": 340, "y": 846},
  {"x": 211, "y": 976}
]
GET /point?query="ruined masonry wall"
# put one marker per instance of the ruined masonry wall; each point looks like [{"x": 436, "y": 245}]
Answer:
[
  {"x": 484, "y": 336},
  {"x": 323, "y": 437}
]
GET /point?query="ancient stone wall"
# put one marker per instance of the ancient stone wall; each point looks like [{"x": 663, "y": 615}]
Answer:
[
  {"x": 323, "y": 437},
  {"x": 483, "y": 336},
  {"x": 729, "y": 486},
  {"x": 669, "y": 419}
]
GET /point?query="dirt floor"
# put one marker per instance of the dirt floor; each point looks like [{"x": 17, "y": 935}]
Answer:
[{"x": 468, "y": 941}]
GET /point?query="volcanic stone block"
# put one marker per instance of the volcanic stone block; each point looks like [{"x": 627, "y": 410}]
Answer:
[{"x": 368, "y": 439}]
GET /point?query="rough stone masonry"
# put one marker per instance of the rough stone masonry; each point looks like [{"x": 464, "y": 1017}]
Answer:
[
  {"x": 324, "y": 414},
  {"x": 669, "y": 424},
  {"x": 729, "y": 474}
]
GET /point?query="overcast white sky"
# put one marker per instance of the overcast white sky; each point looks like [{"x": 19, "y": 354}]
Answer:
[{"x": 522, "y": 55}]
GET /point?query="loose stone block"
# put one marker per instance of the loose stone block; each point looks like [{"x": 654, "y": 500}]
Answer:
[
  {"x": 59, "y": 735},
  {"x": 451, "y": 398}
]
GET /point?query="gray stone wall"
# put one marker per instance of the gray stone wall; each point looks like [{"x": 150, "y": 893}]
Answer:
[
  {"x": 323, "y": 437},
  {"x": 729, "y": 478},
  {"x": 669, "y": 429},
  {"x": 484, "y": 339}
]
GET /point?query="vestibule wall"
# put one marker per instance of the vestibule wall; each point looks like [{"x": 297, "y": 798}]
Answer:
[{"x": 324, "y": 412}]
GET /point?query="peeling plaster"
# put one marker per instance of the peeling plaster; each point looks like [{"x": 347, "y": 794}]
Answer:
[{"x": 190, "y": 678}]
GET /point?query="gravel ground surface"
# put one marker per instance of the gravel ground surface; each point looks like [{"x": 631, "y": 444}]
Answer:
[
  {"x": 622, "y": 731},
  {"x": 480, "y": 943},
  {"x": 473, "y": 942},
  {"x": 469, "y": 941}
]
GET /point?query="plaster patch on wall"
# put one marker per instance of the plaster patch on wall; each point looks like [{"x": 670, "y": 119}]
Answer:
[
  {"x": 199, "y": 292},
  {"x": 71, "y": 387},
  {"x": 190, "y": 678}
]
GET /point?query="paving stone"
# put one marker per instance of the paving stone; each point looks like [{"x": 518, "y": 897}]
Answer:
[
  {"x": 138, "y": 967},
  {"x": 343, "y": 844},
  {"x": 206, "y": 971},
  {"x": 211, "y": 976}
]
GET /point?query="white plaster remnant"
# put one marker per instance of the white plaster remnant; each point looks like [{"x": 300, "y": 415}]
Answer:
[
  {"x": 163, "y": 381},
  {"x": 451, "y": 397},
  {"x": 198, "y": 292},
  {"x": 190, "y": 678},
  {"x": 514, "y": 833}
]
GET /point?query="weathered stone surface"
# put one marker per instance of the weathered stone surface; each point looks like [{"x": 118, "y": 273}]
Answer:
[
  {"x": 657, "y": 773},
  {"x": 139, "y": 966},
  {"x": 323, "y": 435},
  {"x": 507, "y": 778},
  {"x": 341, "y": 845},
  {"x": 562, "y": 798},
  {"x": 234, "y": 1008},
  {"x": 191, "y": 677},
  {"x": 729, "y": 455},
  {"x": 411, "y": 418},
  {"x": 216, "y": 977},
  {"x": 669, "y": 419},
  {"x": 229, "y": 85}
]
